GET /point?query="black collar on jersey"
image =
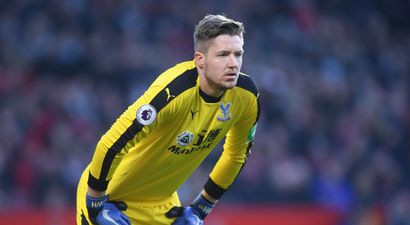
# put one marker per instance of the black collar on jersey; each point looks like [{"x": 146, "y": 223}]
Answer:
[{"x": 209, "y": 99}]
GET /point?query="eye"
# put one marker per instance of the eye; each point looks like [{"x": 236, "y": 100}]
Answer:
[
  {"x": 238, "y": 54},
  {"x": 222, "y": 54}
]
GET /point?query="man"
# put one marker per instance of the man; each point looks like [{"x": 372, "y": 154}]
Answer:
[{"x": 157, "y": 143}]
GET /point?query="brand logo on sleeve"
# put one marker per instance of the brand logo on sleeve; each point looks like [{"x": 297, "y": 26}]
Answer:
[
  {"x": 169, "y": 96},
  {"x": 193, "y": 113},
  {"x": 146, "y": 114},
  {"x": 225, "y": 114}
]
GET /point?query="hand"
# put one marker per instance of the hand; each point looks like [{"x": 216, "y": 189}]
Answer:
[
  {"x": 111, "y": 214},
  {"x": 185, "y": 216},
  {"x": 104, "y": 212},
  {"x": 193, "y": 214}
]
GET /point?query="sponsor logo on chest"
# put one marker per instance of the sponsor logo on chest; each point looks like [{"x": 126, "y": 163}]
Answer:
[{"x": 187, "y": 142}]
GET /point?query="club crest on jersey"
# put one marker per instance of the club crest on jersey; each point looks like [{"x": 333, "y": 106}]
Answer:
[
  {"x": 225, "y": 114},
  {"x": 146, "y": 114},
  {"x": 185, "y": 138}
]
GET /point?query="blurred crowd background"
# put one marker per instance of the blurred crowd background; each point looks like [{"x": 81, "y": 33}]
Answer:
[{"x": 334, "y": 79}]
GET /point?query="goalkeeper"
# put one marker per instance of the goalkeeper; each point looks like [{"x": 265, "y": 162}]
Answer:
[{"x": 160, "y": 139}]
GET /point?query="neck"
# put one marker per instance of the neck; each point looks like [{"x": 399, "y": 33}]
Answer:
[
  {"x": 208, "y": 88},
  {"x": 208, "y": 98}
]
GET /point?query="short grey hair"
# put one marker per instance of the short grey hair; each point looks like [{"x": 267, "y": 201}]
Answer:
[{"x": 212, "y": 26}]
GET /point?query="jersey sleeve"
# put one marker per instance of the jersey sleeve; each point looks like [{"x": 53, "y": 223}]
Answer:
[
  {"x": 139, "y": 119},
  {"x": 236, "y": 150},
  {"x": 135, "y": 123}
]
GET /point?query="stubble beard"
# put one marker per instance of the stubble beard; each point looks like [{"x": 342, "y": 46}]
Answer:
[{"x": 219, "y": 85}]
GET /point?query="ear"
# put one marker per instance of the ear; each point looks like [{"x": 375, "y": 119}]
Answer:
[{"x": 199, "y": 59}]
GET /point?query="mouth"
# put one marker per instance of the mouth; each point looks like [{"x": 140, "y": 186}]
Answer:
[{"x": 231, "y": 75}]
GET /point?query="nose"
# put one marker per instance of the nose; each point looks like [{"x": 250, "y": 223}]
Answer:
[{"x": 232, "y": 61}]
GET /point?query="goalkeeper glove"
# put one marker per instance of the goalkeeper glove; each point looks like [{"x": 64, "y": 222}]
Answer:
[
  {"x": 104, "y": 212},
  {"x": 185, "y": 216},
  {"x": 193, "y": 214}
]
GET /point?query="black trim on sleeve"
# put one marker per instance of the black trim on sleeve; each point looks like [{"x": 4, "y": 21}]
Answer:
[
  {"x": 181, "y": 83},
  {"x": 213, "y": 189},
  {"x": 96, "y": 184},
  {"x": 101, "y": 183}
]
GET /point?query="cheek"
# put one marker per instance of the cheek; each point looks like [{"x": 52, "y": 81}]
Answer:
[
  {"x": 214, "y": 66},
  {"x": 239, "y": 61},
  {"x": 212, "y": 72},
  {"x": 220, "y": 64}
]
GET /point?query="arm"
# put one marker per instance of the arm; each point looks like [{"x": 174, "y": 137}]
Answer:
[
  {"x": 237, "y": 149},
  {"x": 108, "y": 154},
  {"x": 112, "y": 147}
]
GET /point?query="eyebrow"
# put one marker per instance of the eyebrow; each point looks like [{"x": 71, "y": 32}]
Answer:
[{"x": 228, "y": 51}]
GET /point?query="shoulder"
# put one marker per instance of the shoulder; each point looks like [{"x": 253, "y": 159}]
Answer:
[
  {"x": 184, "y": 77},
  {"x": 247, "y": 83},
  {"x": 184, "y": 72},
  {"x": 172, "y": 83}
]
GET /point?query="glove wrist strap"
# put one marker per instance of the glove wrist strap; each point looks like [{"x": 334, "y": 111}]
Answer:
[
  {"x": 96, "y": 202},
  {"x": 94, "y": 206},
  {"x": 202, "y": 206}
]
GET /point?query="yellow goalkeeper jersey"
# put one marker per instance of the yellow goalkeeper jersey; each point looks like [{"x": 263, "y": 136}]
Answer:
[{"x": 158, "y": 142}]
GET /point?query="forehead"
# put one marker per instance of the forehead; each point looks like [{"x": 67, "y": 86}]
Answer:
[{"x": 226, "y": 42}]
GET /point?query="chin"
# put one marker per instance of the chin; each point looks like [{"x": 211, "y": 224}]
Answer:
[{"x": 230, "y": 85}]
